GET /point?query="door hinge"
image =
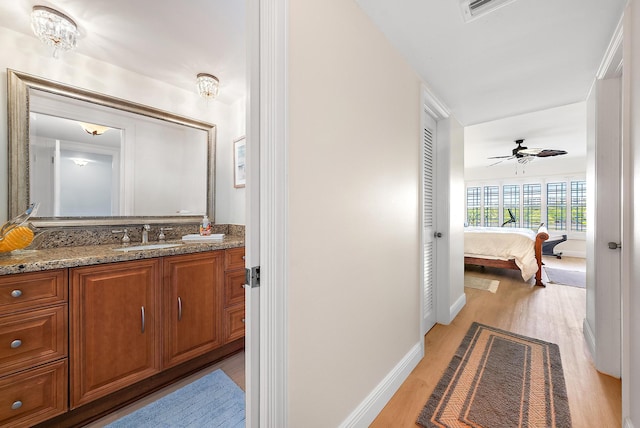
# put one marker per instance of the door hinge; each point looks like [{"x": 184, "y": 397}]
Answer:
[{"x": 252, "y": 277}]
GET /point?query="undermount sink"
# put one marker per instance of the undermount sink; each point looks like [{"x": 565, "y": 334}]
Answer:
[{"x": 146, "y": 247}]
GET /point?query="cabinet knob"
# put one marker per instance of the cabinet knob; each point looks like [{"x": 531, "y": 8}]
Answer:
[
  {"x": 243, "y": 258},
  {"x": 16, "y": 293},
  {"x": 16, "y": 405},
  {"x": 243, "y": 320},
  {"x": 16, "y": 343}
]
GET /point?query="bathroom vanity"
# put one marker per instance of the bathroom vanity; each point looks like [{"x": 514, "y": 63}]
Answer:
[
  {"x": 85, "y": 330},
  {"x": 87, "y": 325}
]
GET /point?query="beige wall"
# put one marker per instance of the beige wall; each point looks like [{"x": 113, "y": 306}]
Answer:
[
  {"x": 354, "y": 122},
  {"x": 33, "y": 57}
]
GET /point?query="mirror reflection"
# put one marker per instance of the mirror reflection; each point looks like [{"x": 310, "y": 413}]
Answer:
[{"x": 90, "y": 156}]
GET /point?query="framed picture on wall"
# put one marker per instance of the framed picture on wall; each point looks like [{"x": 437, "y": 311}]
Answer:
[{"x": 239, "y": 164}]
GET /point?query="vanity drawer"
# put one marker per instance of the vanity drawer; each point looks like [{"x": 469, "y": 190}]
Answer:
[
  {"x": 31, "y": 338},
  {"x": 234, "y": 288},
  {"x": 30, "y": 290},
  {"x": 30, "y": 397},
  {"x": 234, "y": 258},
  {"x": 234, "y": 323}
]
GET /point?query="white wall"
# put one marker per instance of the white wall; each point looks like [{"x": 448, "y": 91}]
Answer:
[
  {"x": 450, "y": 216},
  {"x": 354, "y": 146},
  {"x": 25, "y": 53},
  {"x": 538, "y": 168},
  {"x": 230, "y": 201}
]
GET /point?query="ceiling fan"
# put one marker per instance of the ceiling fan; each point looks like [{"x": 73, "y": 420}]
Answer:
[{"x": 525, "y": 155}]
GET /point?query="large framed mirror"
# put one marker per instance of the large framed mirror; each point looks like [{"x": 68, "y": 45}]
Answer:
[{"x": 92, "y": 159}]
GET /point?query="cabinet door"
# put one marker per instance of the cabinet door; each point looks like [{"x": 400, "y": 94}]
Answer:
[
  {"x": 192, "y": 305},
  {"x": 114, "y": 327}
]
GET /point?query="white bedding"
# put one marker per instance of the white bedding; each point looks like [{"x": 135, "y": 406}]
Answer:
[{"x": 503, "y": 243}]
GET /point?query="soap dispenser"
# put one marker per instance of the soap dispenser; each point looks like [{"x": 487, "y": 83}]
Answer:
[{"x": 205, "y": 227}]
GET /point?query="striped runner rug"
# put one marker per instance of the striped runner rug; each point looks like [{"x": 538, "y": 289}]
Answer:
[{"x": 500, "y": 379}]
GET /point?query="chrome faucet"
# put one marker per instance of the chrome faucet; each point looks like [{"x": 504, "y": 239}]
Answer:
[{"x": 145, "y": 233}]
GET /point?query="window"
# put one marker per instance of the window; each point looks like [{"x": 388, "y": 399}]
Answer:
[
  {"x": 473, "y": 206},
  {"x": 511, "y": 202},
  {"x": 560, "y": 204},
  {"x": 531, "y": 205},
  {"x": 557, "y": 206},
  {"x": 579, "y": 206},
  {"x": 491, "y": 206}
]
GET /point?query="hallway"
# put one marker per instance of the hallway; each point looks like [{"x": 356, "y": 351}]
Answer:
[{"x": 554, "y": 314}]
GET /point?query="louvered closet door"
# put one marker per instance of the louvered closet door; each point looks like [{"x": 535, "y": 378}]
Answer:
[{"x": 428, "y": 224}]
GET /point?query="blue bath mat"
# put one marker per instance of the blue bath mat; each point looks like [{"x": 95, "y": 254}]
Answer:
[{"x": 211, "y": 401}]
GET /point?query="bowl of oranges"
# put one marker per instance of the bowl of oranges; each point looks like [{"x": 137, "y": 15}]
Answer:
[{"x": 17, "y": 234}]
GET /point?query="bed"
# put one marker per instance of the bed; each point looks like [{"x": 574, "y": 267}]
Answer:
[{"x": 507, "y": 248}]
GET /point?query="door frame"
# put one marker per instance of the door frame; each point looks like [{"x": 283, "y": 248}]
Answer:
[
  {"x": 267, "y": 142},
  {"x": 431, "y": 105}
]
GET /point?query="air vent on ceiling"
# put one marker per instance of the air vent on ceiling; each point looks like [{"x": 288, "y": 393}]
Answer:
[{"x": 472, "y": 9}]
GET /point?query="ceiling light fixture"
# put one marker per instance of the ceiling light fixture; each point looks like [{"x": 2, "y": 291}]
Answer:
[
  {"x": 54, "y": 28},
  {"x": 93, "y": 129},
  {"x": 80, "y": 162},
  {"x": 208, "y": 85}
]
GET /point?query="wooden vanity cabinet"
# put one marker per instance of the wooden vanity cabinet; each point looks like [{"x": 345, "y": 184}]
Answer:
[
  {"x": 192, "y": 295},
  {"x": 114, "y": 331},
  {"x": 234, "y": 313},
  {"x": 33, "y": 347},
  {"x": 76, "y": 343}
]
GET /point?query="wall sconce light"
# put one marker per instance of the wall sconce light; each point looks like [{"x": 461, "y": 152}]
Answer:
[
  {"x": 93, "y": 129},
  {"x": 208, "y": 85},
  {"x": 54, "y": 28}
]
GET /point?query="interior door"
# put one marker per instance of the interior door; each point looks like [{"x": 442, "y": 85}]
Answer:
[
  {"x": 428, "y": 223},
  {"x": 603, "y": 322}
]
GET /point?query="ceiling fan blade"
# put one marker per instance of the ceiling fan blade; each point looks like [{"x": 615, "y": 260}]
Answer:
[
  {"x": 501, "y": 157},
  {"x": 546, "y": 153},
  {"x": 501, "y": 160},
  {"x": 530, "y": 152},
  {"x": 495, "y": 163}
]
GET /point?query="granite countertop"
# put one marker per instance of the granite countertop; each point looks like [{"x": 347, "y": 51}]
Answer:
[{"x": 64, "y": 257}]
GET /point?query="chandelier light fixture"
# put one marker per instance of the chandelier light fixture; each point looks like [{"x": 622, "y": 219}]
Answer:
[
  {"x": 208, "y": 85},
  {"x": 54, "y": 29},
  {"x": 93, "y": 129}
]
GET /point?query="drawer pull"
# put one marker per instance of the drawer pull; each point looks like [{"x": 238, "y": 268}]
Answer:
[
  {"x": 16, "y": 293},
  {"x": 16, "y": 343},
  {"x": 243, "y": 320},
  {"x": 142, "y": 312},
  {"x": 179, "y": 309},
  {"x": 16, "y": 405}
]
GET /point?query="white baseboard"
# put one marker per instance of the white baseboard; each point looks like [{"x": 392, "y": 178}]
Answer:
[
  {"x": 627, "y": 423},
  {"x": 457, "y": 307},
  {"x": 590, "y": 338},
  {"x": 367, "y": 411}
]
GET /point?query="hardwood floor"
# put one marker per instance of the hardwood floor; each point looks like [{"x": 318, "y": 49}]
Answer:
[
  {"x": 554, "y": 314},
  {"x": 233, "y": 366}
]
